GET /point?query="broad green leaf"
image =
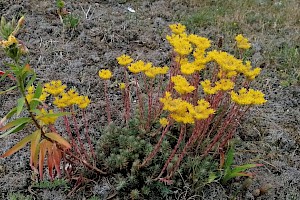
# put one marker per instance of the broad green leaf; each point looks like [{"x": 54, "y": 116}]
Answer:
[
  {"x": 10, "y": 89},
  {"x": 57, "y": 114},
  {"x": 57, "y": 138},
  {"x": 212, "y": 176},
  {"x": 18, "y": 146},
  {"x": 229, "y": 159},
  {"x": 242, "y": 168},
  {"x": 30, "y": 82},
  {"x": 20, "y": 105},
  {"x": 15, "y": 123},
  {"x": 36, "y": 136},
  {"x": 14, "y": 130},
  {"x": 233, "y": 175},
  {"x": 8, "y": 115},
  {"x": 37, "y": 94},
  {"x": 36, "y": 111}
]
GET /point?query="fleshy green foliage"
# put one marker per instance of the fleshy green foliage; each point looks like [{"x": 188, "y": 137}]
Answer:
[
  {"x": 57, "y": 183},
  {"x": 121, "y": 150},
  {"x": 18, "y": 196}
]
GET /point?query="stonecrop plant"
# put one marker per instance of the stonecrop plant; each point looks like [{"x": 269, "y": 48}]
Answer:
[
  {"x": 34, "y": 104},
  {"x": 206, "y": 94},
  {"x": 181, "y": 117}
]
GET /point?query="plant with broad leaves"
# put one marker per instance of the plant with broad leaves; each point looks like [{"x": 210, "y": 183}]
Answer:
[
  {"x": 45, "y": 142},
  {"x": 231, "y": 172}
]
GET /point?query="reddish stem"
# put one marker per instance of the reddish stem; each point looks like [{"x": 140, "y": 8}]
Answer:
[
  {"x": 108, "y": 112},
  {"x": 87, "y": 135}
]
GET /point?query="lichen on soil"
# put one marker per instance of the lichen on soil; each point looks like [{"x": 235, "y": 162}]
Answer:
[{"x": 107, "y": 29}]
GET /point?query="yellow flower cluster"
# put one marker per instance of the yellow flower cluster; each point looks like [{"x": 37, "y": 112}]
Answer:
[
  {"x": 139, "y": 66},
  {"x": 46, "y": 120},
  {"x": 230, "y": 66},
  {"x": 31, "y": 91},
  {"x": 242, "y": 42},
  {"x": 181, "y": 85},
  {"x": 222, "y": 84},
  {"x": 177, "y": 28},
  {"x": 183, "y": 111},
  {"x": 152, "y": 72},
  {"x": 105, "y": 74},
  {"x": 122, "y": 86},
  {"x": 64, "y": 99},
  {"x": 163, "y": 122},
  {"x": 10, "y": 41},
  {"x": 55, "y": 88},
  {"x": 248, "y": 97},
  {"x": 124, "y": 60}
]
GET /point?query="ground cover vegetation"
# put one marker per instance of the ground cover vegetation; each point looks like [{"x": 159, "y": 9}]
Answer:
[{"x": 173, "y": 134}]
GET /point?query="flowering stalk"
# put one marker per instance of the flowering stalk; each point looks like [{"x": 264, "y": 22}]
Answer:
[
  {"x": 108, "y": 111},
  {"x": 87, "y": 135}
]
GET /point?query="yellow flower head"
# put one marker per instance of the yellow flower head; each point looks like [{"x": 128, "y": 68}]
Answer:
[
  {"x": 242, "y": 42},
  {"x": 105, "y": 74},
  {"x": 122, "y": 86},
  {"x": 11, "y": 40},
  {"x": 139, "y": 66},
  {"x": 83, "y": 101},
  {"x": 207, "y": 88},
  {"x": 248, "y": 97},
  {"x": 124, "y": 60},
  {"x": 177, "y": 28},
  {"x": 46, "y": 120},
  {"x": 203, "y": 110},
  {"x": 164, "y": 122},
  {"x": 181, "y": 85},
  {"x": 187, "y": 68},
  {"x": 55, "y": 87}
]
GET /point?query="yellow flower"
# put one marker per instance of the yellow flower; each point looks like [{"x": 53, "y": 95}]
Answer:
[
  {"x": 187, "y": 68},
  {"x": 83, "y": 101},
  {"x": 105, "y": 74},
  {"x": 181, "y": 85},
  {"x": 31, "y": 91},
  {"x": 202, "y": 110},
  {"x": 164, "y": 122},
  {"x": 250, "y": 97},
  {"x": 207, "y": 88},
  {"x": 55, "y": 88},
  {"x": 242, "y": 42},
  {"x": 11, "y": 40},
  {"x": 177, "y": 28},
  {"x": 224, "y": 84},
  {"x": 124, "y": 60},
  {"x": 122, "y": 86},
  {"x": 46, "y": 119},
  {"x": 201, "y": 42}
]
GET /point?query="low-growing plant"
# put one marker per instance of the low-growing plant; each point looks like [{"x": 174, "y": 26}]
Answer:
[{"x": 199, "y": 97}]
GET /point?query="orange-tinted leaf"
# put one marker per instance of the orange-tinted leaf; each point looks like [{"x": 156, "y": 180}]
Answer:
[
  {"x": 15, "y": 123},
  {"x": 57, "y": 138},
  {"x": 36, "y": 136},
  {"x": 44, "y": 145},
  {"x": 57, "y": 159},
  {"x": 50, "y": 162},
  {"x": 18, "y": 146}
]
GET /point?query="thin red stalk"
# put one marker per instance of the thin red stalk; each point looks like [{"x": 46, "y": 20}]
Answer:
[
  {"x": 68, "y": 128},
  {"x": 126, "y": 97},
  {"x": 77, "y": 133},
  {"x": 190, "y": 142},
  {"x": 157, "y": 146},
  {"x": 87, "y": 135},
  {"x": 108, "y": 112},
  {"x": 182, "y": 133},
  {"x": 139, "y": 99},
  {"x": 150, "y": 91},
  {"x": 221, "y": 131}
]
